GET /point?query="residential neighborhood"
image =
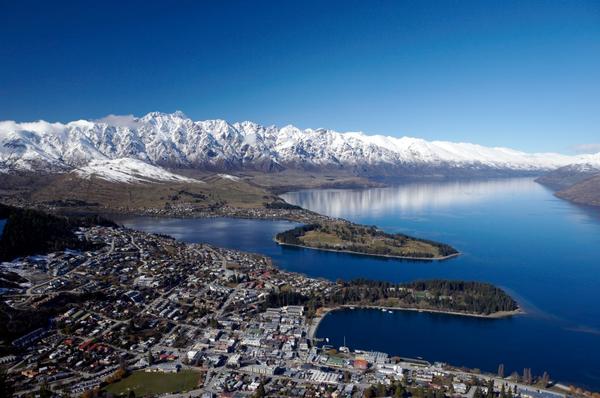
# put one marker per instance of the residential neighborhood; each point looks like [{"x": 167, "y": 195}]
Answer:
[{"x": 146, "y": 306}]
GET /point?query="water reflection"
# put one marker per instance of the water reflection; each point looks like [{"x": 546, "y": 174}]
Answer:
[{"x": 410, "y": 197}]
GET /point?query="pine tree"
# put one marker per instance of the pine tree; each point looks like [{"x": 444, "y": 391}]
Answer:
[
  {"x": 527, "y": 376},
  {"x": 6, "y": 387},
  {"x": 399, "y": 391},
  {"x": 545, "y": 379},
  {"x": 490, "y": 391},
  {"x": 369, "y": 392},
  {"x": 260, "y": 391},
  {"x": 45, "y": 391}
]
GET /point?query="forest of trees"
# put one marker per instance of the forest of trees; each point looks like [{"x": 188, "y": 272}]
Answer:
[
  {"x": 364, "y": 239},
  {"x": 293, "y": 235},
  {"x": 279, "y": 205},
  {"x": 442, "y": 295},
  {"x": 29, "y": 232}
]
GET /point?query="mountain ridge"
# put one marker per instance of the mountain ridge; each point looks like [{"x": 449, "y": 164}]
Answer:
[
  {"x": 578, "y": 183},
  {"x": 176, "y": 141}
]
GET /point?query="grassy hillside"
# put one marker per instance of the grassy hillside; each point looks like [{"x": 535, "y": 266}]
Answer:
[{"x": 71, "y": 193}]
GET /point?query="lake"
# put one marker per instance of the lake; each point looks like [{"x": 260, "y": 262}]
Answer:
[{"x": 511, "y": 232}]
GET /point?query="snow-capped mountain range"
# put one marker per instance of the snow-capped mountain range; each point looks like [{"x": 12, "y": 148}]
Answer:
[{"x": 175, "y": 141}]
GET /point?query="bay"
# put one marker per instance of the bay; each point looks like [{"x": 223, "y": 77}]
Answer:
[{"x": 510, "y": 232}]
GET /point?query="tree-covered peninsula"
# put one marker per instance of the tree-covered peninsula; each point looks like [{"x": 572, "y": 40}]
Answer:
[
  {"x": 450, "y": 296},
  {"x": 344, "y": 236}
]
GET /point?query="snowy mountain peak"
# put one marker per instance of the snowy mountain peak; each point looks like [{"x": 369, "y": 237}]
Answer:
[
  {"x": 128, "y": 171},
  {"x": 174, "y": 140},
  {"x": 586, "y": 163}
]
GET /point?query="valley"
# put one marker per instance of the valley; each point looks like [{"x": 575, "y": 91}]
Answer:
[{"x": 322, "y": 199}]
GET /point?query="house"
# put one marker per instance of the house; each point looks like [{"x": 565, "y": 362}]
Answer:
[
  {"x": 165, "y": 368},
  {"x": 193, "y": 355},
  {"x": 460, "y": 388},
  {"x": 361, "y": 364}
]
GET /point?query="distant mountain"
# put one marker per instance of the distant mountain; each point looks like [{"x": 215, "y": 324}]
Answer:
[
  {"x": 175, "y": 141},
  {"x": 566, "y": 176},
  {"x": 585, "y": 192},
  {"x": 578, "y": 182}
]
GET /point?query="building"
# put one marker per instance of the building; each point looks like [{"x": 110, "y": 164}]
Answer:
[
  {"x": 361, "y": 364},
  {"x": 460, "y": 388}
]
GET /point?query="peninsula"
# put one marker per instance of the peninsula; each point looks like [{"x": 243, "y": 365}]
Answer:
[
  {"x": 437, "y": 295},
  {"x": 343, "y": 236}
]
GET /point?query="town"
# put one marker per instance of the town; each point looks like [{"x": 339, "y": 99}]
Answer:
[{"x": 145, "y": 314}]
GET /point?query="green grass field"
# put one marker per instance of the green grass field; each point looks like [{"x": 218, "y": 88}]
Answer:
[{"x": 151, "y": 384}]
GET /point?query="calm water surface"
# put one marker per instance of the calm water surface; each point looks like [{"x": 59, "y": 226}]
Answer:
[{"x": 512, "y": 232}]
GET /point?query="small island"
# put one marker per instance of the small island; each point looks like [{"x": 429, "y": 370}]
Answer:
[{"x": 344, "y": 236}]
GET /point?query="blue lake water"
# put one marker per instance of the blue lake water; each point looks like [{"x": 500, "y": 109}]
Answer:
[
  {"x": 2, "y": 222},
  {"x": 511, "y": 232}
]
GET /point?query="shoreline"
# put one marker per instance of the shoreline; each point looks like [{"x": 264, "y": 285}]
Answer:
[
  {"x": 316, "y": 321},
  {"x": 370, "y": 254},
  {"x": 495, "y": 315}
]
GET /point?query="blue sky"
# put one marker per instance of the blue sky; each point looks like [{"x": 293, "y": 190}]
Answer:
[{"x": 520, "y": 74}]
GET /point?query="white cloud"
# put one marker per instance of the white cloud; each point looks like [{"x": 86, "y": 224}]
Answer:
[
  {"x": 587, "y": 148},
  {"x": 120, "y": 120}
]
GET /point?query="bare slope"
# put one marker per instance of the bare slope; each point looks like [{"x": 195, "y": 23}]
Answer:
[
  {"x": 577, "y": 182},
  {"x": 584, "y": 192}
]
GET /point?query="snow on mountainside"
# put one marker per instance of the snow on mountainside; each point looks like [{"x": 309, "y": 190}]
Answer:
[
  {"x": 586, "y": 163},
  {"x": 229, "y": 177},
  {"x": 128, "y": 171},
  {"x": 173, "y": 140},
  {"x": 585, "y": 167}
]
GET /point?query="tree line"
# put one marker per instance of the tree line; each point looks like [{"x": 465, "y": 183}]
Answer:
[
  {"x": 28, "y": 232},
  {"x": 443, "y": 295}
]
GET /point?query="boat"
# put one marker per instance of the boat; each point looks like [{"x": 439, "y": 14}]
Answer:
[{"x": 344, "y": 348}]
